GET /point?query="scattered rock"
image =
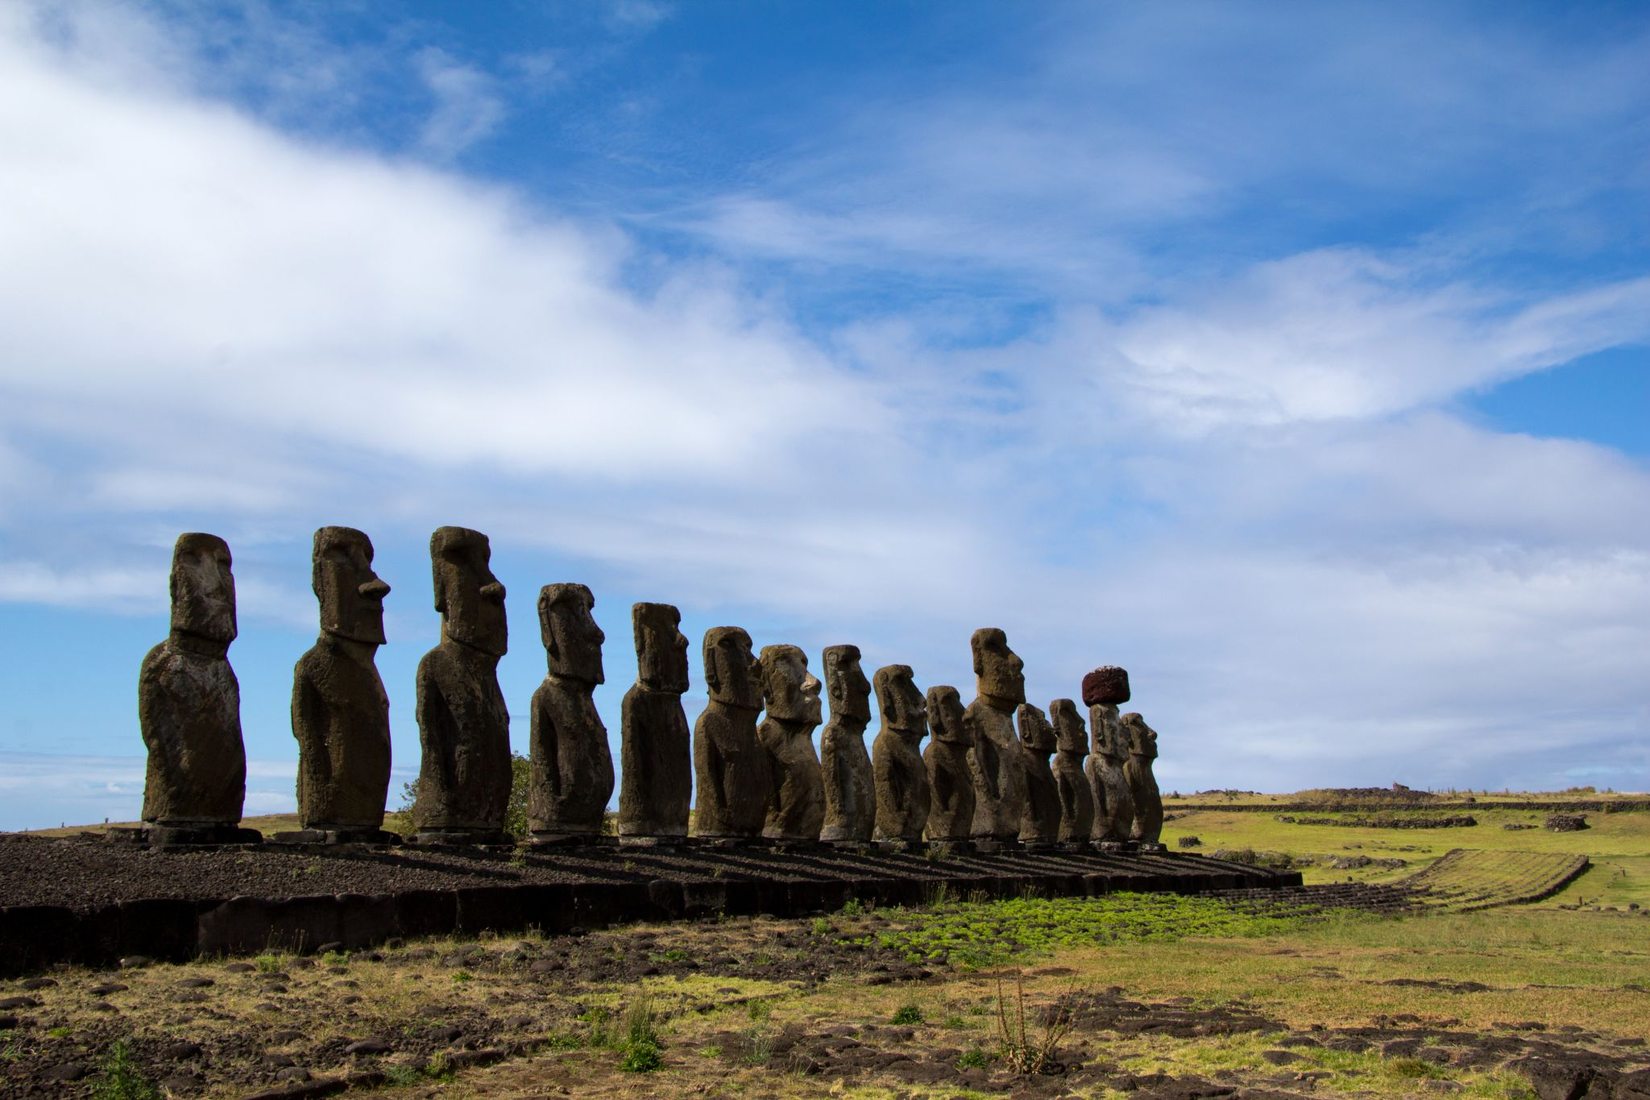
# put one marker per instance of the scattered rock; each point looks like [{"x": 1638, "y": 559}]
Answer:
[
  {"x": 1190, "y": 842},
  {"x": 136, "y": 962},
  {"x": 196, "y": 983},
  {"x": 107, "y": 988},
  {"x": 39, "y": 983},
  {"x": 1280, "y": 1057},
  {"x": 19, "y": 1002},
  {"x": 368, "y": 1046},
  {"x": 1567, "y": 823},
  {"x": 68, "y": 1071},
  {"x": 293, "y": 1073}
]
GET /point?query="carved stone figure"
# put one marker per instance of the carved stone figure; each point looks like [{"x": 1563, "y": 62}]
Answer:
[
  {"x": 340, "y": 713},
  {"x": 790, "y": 695},
  {"x": 1070, "y": 781},
  {"x": 896, "y": 761},
  {"x": 997, "y": 762},
  {"x": 571, "y": 765},
  {"x": 1040, "y": 827},
  {"x": 1148, "y": 803},
  {"x": 189, "y": 705},
  {"x": 656, "y": 750},
  {"x": 735, "y": 782},
  {"x": 850, "y": 783},
  {"x": 950, "y": 783},
  {"x": 1113, "y": 801},
  {"x": 463, "y": 723}
]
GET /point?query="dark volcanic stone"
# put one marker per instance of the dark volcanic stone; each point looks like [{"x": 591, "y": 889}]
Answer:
[
  {"x": 845, "y": 765},
  {"x": 656, "y": 748},
  {"x": 572, "y": 767}
]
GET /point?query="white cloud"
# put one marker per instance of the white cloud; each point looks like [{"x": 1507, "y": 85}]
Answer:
[{"x": 468, "y": 107}]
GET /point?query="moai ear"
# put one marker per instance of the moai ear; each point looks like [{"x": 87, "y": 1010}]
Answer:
[{"x": 713, "y": 669}]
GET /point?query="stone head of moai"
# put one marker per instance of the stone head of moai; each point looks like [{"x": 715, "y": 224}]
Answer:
[
  {"x": 468, "y": 596},
  {"x": 572, "y": 640},
  {"x": 998, "y": 670},
  {"x": 1138, "y": 738},
  {"x": 1069, "y": 734},
  {"x": 900, "y": 702},
  {"x": 1107, "y": 684},
  {"x": 203, "y": 590},
  {"x": 350, "y": 593},
  {"x": 845, "y": 683},
  {"x": 790, "y": 693},
  {"x": 945, "y": 716},
  {"x": 1035, "y": 732},
  {"x": 732, "y": 676},
  {"x": 661, "y": 647}
]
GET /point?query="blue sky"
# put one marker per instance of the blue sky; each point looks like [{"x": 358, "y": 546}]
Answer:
[{"x": 1293, "y": 356}]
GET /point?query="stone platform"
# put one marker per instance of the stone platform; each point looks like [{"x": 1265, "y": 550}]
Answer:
[{"x": 93, "y": 903}]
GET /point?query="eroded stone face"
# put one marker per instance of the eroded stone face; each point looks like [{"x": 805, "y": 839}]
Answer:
[
  {"x": 572, "y": 640},
  {"x": 1069, "y": 732},
  {"x": 732, "y": 676},
  {"x": 661, "y": 647},
  {"x": 340, "y": 712},
  {"x": 468, "y": 596},
  {"x": 1148, "y": 802},
  {"x": 1040, "y": 823},
  {"x": 791, "y": 699},
  {"x": 189, "y": 705},
  {"x": 656, "y": 779},
  {"x": 945, "y": 716},
  {"x": 1113, "y": 798},
  {"x": 845, "y": 682},
  {"x": 999, "y": 671},
  {"x": 1035, "y": 730},
  {"x": 351, "y": 595},
  {"x": 789, "y": 691},
  {"x": 203, "y": 588}
]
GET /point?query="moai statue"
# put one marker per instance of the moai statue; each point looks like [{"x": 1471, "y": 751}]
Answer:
[
  {"x": 189, "y": 707},
  {"x": 1070, "y": 753},
  {"x": 1040, "y": 825},
  {"x": 790, "y": 696},
  {"x": 1148, "y": 803},
  {"x": 735, "y": 783},
  {"x": 463, "y": 724},
  {"x": 572, "y": 767},
  {"x": 950, "y": 783},
  {"x": 850, "y": 783},
  {"x": 340, "y": 713},
  {"x": 1103, "y": 690},
  {"x": 997, "y": 762},
  {"x": 896, "y": 760},
  {"x": 656, "y": 750}
]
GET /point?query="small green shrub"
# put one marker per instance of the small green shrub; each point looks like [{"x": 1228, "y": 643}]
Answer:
[
  {"x": 121, "y": 1079},
  {"x": 908, "y": 1014},
  {"x": 973, "y": 1058}
]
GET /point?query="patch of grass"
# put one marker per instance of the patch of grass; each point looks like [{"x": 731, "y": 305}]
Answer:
[
  {"x": 1028, "y": 1049},
  {"x": 973, "y": 1058},
  {"x": 909, "y": 1013},
  {"x": 269, "y": 963},
  {"x": 639, "y": 1046},
  {"x": 121, "y": 1079},
  {"x": 335, "y": 958}
]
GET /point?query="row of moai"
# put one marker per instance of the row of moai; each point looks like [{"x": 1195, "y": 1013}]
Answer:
[{"x": 980, "y": 783}]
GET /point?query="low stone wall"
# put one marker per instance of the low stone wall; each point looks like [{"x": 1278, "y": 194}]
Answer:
[{"x": 36, "y": 936}]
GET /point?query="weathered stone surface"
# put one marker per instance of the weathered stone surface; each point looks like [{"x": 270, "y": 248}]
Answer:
[
  {"x": 996, "y": 762},
  {"x": 189, "y": 702},
  {"x": 1113, "y": 801},
  {"x": 463, "y": 723},
  {"x": 896, "y": 760},
  {"x": 1070, "y": 781},
  {"x": 790, "y": 695},
  {"x": 656, "y": 749},
  {"x": 950, "y": 783},
  {"x": 1148, "y": 803},
  {"x": 1106, "y": 684},
  {"x": 850, "y": 782},
  {"x": 572, "y": 767},
  {"x": 340, "y": 712},
  {"x": 735, "y": 782},
  {"x": 1041, "y": 821}
]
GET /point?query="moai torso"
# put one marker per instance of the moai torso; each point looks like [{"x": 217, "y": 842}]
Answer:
[
  {"x": 792, "y": 711},
  {"x": 1148, "y": 803},
  {"x": 572, "y": 767},
  {"x": 189, "y": 702},
  {"x": 950, "y": 783},
  {"x": 849, "y": 779},
  {"x": 896, "y": 762},
  {"x": 1070, "y": 781},
  {"x": 734, "y": 780},
  {"x": 1103, "y": 690},
  {"x": 656, "y": 784},
  {"x": 996, "y": 761},
  {"x": 340, "y": 712},
  {"x": 1041, "y": 822},
  {"x": 463, "y": 723}
]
